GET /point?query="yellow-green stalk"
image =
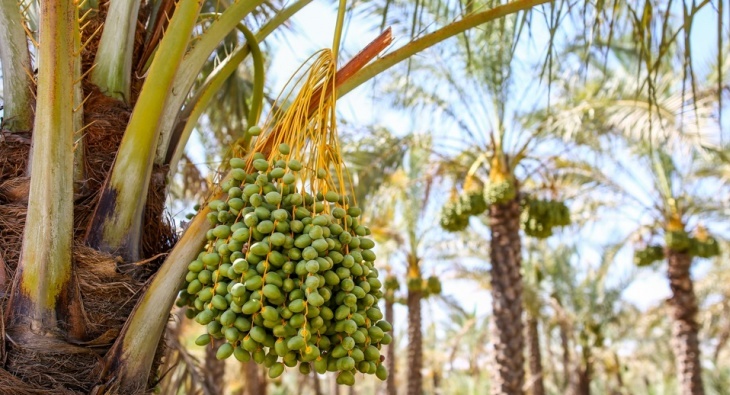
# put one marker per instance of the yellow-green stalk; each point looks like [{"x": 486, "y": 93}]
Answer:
[
  {"x": 17, "y": 71},
  {"x": 198, "y": 103},
  {"x": 338, "y": 28},
  {"x": 257, "y": 96},
  {"x": 45, "y": 264},
  {"x": 117, "y": 222},
  {"x": 113, "y": 63},
  {"x": 207, "y": 92},
  {"x": 130, "y": 358},
  {"x": 194, "y": 62},
  {"x": 431, "y": 39}
]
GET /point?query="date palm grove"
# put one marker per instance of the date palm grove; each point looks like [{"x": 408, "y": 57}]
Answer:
[{"x": 101, "y": 97}]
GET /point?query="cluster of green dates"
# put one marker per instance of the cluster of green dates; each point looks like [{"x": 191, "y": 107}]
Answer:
[
  {"x": 455, "y": 213},
  {"x": 429, "y": 286},
  {"x": 500, "y": 192},
  {"x": 287, "y": 277},
  {"x": 678, "y": 240},
  {"x": 391, "y": 287},
  {"x": 539, "y": 217},
  {"x": 391, "y": 283},
  {"x": 647, "y": 256},
  {"x": 706, "y": 247}
]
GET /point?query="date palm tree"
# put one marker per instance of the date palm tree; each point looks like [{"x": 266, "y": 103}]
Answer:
[
  {"x": 665, "y": 133},
  {"x": 87, "y": 147},
  {"x": 400, "y": 206}
]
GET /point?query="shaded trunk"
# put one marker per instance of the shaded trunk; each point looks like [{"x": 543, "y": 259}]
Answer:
[
  {"x": 617, "y": 373},
  {"x": 437, "y": 382},
  {"x": 583, "y": 373},
  {"x": 316, "y": 384},
  {"x": 415, "y": 343},
  {"x": 536, "y": 384},
  {"x": 506, "y": 280},
  {"x": 565, "y": 345},
  {"x": 255, "y": 384},
  {"x": 683, "y": 307},
  {"x": 215, "y": 369},
  {"x": 93, "y": 306},
  {"x": 583, "y": 383},
  {"x": 390, "y": 359}
]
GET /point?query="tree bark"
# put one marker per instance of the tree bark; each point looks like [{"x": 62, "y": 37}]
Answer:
[
  {"x": 415, "y": 345},
  {"x": 390, "y": 359},
  {"x": 507, "y": 329},
  {"x": 683, "y": 307},
  {"x": 255, "y": 385},
  {"x": 537, "y": 386},
  {"x": 215, "y": 370}
]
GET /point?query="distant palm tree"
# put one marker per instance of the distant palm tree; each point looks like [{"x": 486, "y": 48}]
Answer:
[
  {"x": 397, "y": 207},
  {"x": 652, "y": 125}
]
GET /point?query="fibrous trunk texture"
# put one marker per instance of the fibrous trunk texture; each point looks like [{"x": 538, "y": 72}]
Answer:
[
  {"x": 390, "y": 358},
  {"x": 683, "y": 307},
  {"x": 107, "y": 288},
  {"x": 536, "y": 384},
  {"x": 507, "y": 329},
  {"x": 415, "y": 343}
]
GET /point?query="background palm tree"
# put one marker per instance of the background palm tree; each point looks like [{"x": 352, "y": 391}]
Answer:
[
  {"x": 398, "y": 210},
  {"x": 677, "y": 197}
]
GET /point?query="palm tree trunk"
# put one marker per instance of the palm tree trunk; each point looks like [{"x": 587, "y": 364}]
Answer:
[
  {"x": 583, "y": 373},
  {"x": 683, "y": 307},
  {"x": 415, "y": 343},
  {"x": 506, "y": 280},
  {"x": 583, "y": 383},
  {"x": 215, "y": 369},
  {"x": 317, "y": 386},
  {"x": 565, "y": 345},
  {"x": 537, "y": 386},
  {"x": 254, "y": 384},
  {"x": 390, "y": 360}
]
